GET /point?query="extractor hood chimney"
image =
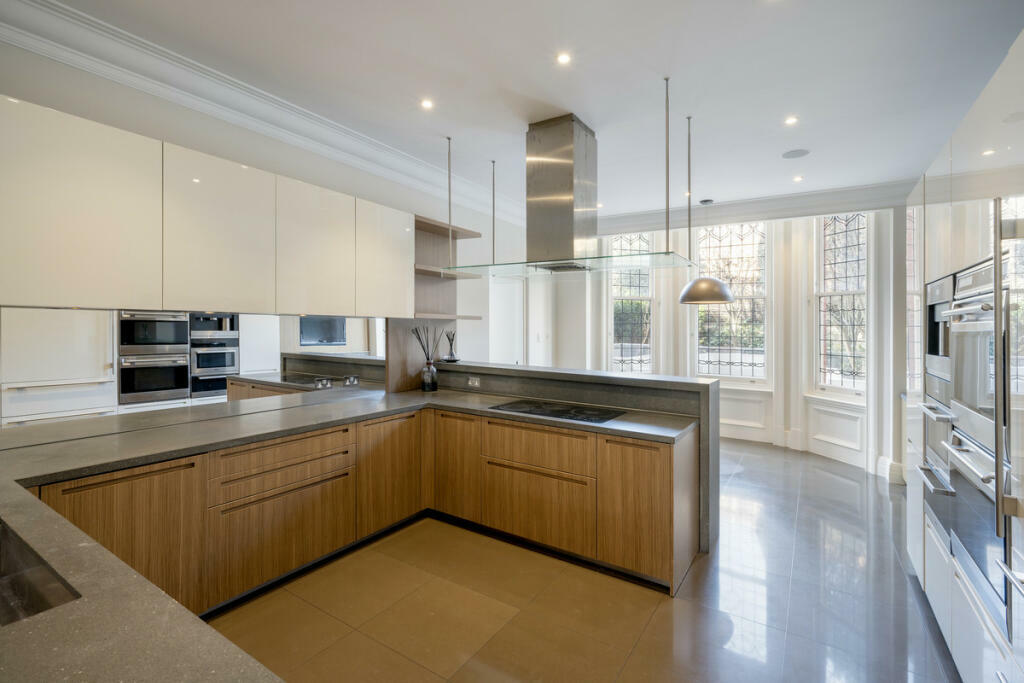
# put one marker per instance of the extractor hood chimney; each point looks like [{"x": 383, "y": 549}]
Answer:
[{"x": 561, "y": 190}]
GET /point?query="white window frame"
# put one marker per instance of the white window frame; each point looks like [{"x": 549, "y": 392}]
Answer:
[
  {"x": 769, "y": 313},
  {"x": 818, "y": 293},
  {"x": 606, "y": 249}
]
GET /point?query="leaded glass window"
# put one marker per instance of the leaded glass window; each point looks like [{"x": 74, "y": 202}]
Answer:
[
  {"x": 842, "y": 301},
  {"x": 731, "y": 337},
  {"x": 915, "y": 353},
  {"x": 631, "y": 308}
]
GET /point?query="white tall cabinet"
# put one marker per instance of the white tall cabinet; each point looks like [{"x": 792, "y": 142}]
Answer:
[
  {"x": 385, "y": 261},
  {"x": 219, "y": 234},
  {"x": 316, "y": 255},
  {"x": 79, "y": 212}
]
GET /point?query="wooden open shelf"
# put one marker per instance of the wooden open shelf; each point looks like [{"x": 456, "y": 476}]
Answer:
[
  {"x": 423, "y": 315},
  {"x": 437, "y": 271},
  {"x": 440, "y": 228}
]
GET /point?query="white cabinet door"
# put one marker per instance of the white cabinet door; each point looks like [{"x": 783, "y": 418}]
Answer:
[
  {"x": 259, "y": 343},
  {"x": 937, "y": 575},
  {"x": 79, "y": 212},
  {"x": 979, "y": 650},
  {"x": 45, "y": 345},
  {"x": 219, "y": 252},
  {"x": 938, "y": 242},
  {"x": 316, "y": 239},
  {"x": 385, "y": 262},
  {"x": 915, "y": 521}
]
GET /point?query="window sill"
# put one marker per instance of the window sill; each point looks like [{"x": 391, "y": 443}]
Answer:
[
  {"x": 847, "y": 400},
  {"x": 725, "y": 384}
]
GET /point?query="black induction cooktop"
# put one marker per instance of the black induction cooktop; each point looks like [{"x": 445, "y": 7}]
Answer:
[{"x": 565, "y": 411}]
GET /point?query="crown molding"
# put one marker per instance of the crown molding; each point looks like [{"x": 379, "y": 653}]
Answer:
[
  {"x": 861, "y": 198},
  {"x": 68, "y": 36}
]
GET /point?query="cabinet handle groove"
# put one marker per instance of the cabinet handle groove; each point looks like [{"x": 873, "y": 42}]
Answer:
[
  {"x": 246, "y": 477},
  {"x": 457, "y": 416},
  {"x": 627, "y": 444},
  {"x": 243, "y": 450},
  {"x": 542, "y": 430},
  {"x": 127, "y": 477},
  {"x": 282, "y": 494},
  {"x": 525, "y": 470}
]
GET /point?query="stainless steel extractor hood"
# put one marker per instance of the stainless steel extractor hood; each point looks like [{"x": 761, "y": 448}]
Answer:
[{"x": 561, "y": 208}]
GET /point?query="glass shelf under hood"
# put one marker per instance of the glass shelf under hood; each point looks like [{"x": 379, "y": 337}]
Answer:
[{"x": 577, "y": 266}]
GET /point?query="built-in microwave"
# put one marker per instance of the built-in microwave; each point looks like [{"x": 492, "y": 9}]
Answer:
[
  {"x": 939, "y": 294},
  {"x": 152, "y": 332},
  {"x": 214, "y": 359}
]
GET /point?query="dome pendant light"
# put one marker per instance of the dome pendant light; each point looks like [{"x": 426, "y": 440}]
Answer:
[{"x": 700, "y": 290}]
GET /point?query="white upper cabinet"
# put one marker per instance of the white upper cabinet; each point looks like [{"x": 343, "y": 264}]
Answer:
[
  {"x": 385, "y": 261},
  {"x": 79, "y": 212},
  {"x": 316, "y": 239},
  {"x": 219, "y": 251}
]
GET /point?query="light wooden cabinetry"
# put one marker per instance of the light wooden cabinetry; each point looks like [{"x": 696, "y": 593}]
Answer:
[
  {"x": 457, "y": 449},
  {"x": 385, "y": 262},
  {"x": 80, "y": 216},
  {"x": 566, "y": 450},
  {"x": 237, "y": 390},
  {"x": 938, "y": 575},
  {"x": 635, "y": 483},
  {"x": 547, "y": 506},
  {"x": 219, "y": 234},
  {"x": 388, "y": 466},
  {"x": 316, "y": 253},
  {"x": 151, "y": 517}
]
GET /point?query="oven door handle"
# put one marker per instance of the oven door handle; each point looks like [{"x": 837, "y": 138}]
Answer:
[
  {"x": 1016, "y": 579},
  {"x": 929, "y": 410},
  {"x": 151, "y": 363},
  {"x": 958, "y": 455},
  {"x": 942, "y": 489},
  {"x": 964, "y": 310},
  {"x": 160, "y": 317}
]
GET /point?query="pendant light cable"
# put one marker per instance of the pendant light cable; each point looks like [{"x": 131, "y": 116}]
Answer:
[
  {"x": 493, "y": 214},
  {"x": 451, "y": 261},
  {"x": 667, "y": 248}
]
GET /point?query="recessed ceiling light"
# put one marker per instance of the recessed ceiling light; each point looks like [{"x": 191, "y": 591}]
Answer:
[
  {"x": 791, "y": 120},
  {"x": 563, "y": 58},
  {"x": 427, "y": 104},
  {"x": 988, "y": 152},
  {"x": 795, "y": 153},
  {"x": 11, "y": 99},
  {"x": 600, "y": 205},
  {"x": 195, "y": 180},
  {"x": 244, "y": 166},
  {"x": 798, "y": 179},
  {"x": 687, "y": 194}
]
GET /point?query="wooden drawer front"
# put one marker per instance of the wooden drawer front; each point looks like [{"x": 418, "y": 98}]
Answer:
[
  {"x": 553, "y": 508},
  {"x": 565, "y": 450},
  {"x": 234, "y": 486},
  {"x": 256, "y": 539},
  {"x": 457, "y": 464},
  {"x": 389, "y": 471},
  {"x": 634, "y": 515},
  {"x": 278, "y": 451},
  {"x": 150, "y": 517}
]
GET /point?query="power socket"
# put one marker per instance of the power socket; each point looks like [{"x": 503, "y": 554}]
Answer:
[{"x": 474, "y": 382}]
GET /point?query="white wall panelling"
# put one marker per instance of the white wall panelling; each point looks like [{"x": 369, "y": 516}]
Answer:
[
  {"x": 79, "y": 212},
  {"x": 837, "y": 430},
  {"x": 219, "y": 226},
  {"x": 747, "y": 414}
]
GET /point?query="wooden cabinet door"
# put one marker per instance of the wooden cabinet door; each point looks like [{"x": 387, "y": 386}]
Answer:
[
  {"x": 238, "y": 390},
  {"x": 388, "y": 471},
  {"x": 219, "y": 234},
  {"x": 80, "y": 219},
  {"x": 151, "y": 517},
  {"x": 316, "y": 256},
  {"x": 385, "y": 262},
  {"x": 457, "y": 464},
  {"x": 256, "y": 539},
  {"x": 634, "y": 512},
  {"x": 546, "y": 506}
]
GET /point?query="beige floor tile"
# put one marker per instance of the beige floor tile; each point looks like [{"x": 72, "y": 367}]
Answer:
[
  {"x": 280, "y": 630},
  {"x": 440, "y": 625},
  {"x": 603, "y": 607},
  {"x": 360, "y": 586},
  {"x": 535, "y": 649},
  {"x": 359, "y": 658},
  {"x": 503, "y": 571}
]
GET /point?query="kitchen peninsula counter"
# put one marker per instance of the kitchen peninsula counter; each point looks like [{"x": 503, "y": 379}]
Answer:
[{"x": 124, "y": 627}]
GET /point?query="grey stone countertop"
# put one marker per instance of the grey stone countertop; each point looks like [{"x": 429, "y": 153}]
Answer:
[{"x": 125, "y": 628}]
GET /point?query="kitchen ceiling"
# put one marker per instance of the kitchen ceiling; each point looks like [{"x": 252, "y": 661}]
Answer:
[{"x": 877, "y": 85}]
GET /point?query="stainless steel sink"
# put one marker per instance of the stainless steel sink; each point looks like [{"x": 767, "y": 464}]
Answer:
[{"x": 27, "y": 584}]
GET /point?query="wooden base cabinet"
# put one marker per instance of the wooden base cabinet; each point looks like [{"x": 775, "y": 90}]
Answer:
[
  {"x": 457, "y": 464},
  {"x": 547, "y": 506},
  {"x": 256, "y": 539},
  {"x": 388, "y": 464},
  {"x": 150, "y": 517},
  {"x": 238, "y": 390}
]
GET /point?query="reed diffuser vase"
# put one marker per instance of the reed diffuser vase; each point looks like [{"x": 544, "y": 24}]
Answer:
[{"x": 428, "y": 340}]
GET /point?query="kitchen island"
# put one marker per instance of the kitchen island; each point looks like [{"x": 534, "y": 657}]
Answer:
[{"x": 113, "y": 628}]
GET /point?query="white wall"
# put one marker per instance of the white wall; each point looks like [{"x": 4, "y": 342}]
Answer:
[{"x": 355, "y": 337}]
